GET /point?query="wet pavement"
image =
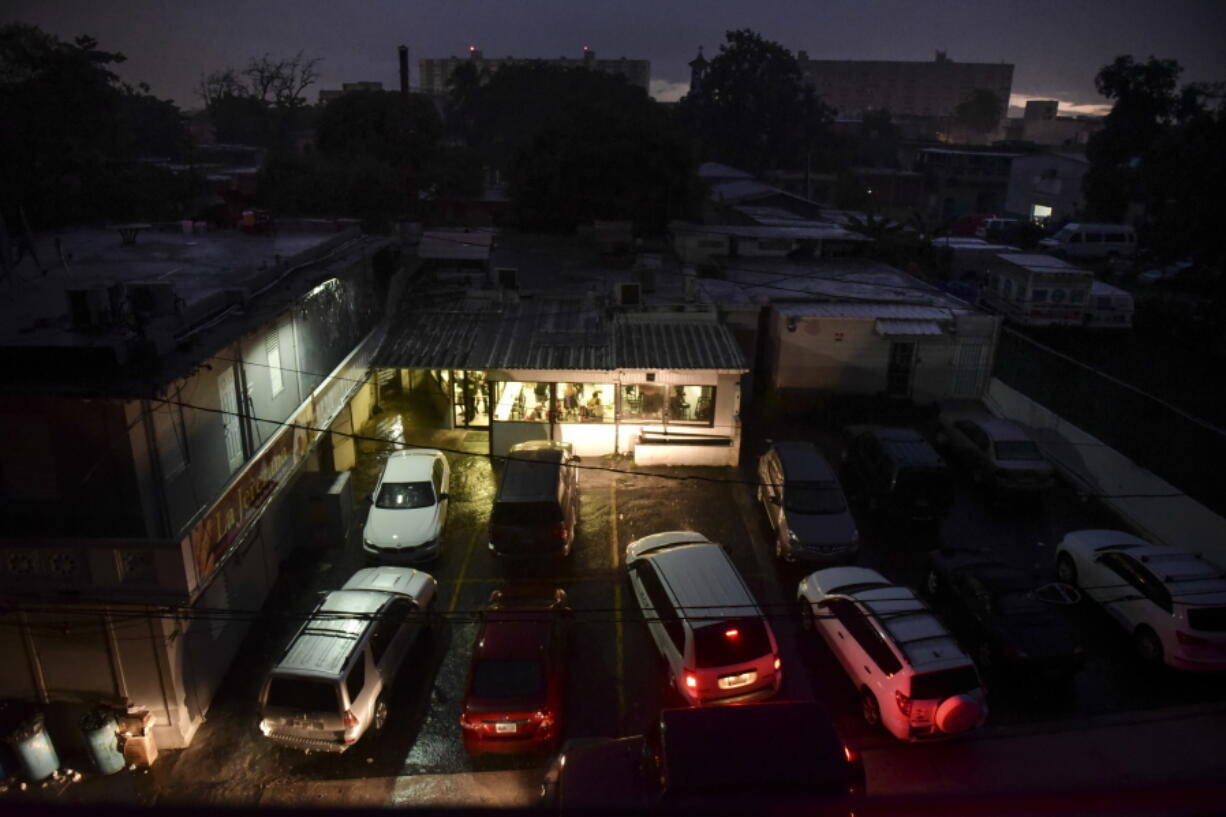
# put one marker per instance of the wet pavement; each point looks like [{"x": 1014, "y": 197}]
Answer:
[{"x": 616, "y": 682}]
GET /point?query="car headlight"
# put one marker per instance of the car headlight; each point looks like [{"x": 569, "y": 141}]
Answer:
[{"x": 792, "y": 537}]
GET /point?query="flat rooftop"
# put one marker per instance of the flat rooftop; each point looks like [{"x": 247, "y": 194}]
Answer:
[{"x": 210, "y": 284}]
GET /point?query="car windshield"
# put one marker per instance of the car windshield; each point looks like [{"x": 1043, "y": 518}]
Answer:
[
  {"x": 1207, "y": 619},
  {"x": 1017, "y": 451},
  {"x": 814, "y": 497},
  {"x": 404, "y": 495},
  {"x": 508, "y": 678},
  {"x": 733, "y": 641},
  {"x": 932, "y": 685},
  {"x": 1063, "y": 234},
  {"x": 302, "y": 695}
]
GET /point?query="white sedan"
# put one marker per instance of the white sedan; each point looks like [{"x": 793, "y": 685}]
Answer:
[
  {"x": 1173, "y": 603},
  {"x": 408, "y": 507}
]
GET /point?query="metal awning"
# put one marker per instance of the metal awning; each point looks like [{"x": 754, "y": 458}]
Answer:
[{"x": 890, "y": 328}]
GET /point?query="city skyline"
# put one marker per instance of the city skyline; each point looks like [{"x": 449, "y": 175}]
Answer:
[{"x": 170, "y": 47}]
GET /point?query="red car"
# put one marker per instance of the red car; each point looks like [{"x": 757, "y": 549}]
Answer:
[{"x": 514, "y": 695}]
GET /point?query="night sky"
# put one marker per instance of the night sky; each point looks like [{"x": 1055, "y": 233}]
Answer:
[{"x": 1056, "y": 45}]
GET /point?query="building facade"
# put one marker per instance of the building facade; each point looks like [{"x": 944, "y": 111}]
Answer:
[
  {"x": 925, "y": 89},
  {"x": 158, "y": 441},
  {"x": 1046, "y": 187},
  {"x": 436, "y": 71}
]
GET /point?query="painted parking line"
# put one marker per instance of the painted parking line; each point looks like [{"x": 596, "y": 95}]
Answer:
[
  {"x": 468, "y": 555},
  {"x": 614, "y": 552}
]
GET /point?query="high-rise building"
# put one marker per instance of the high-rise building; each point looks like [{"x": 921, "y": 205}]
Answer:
[
  {"x": 436, "y": 71},
  {"x": 932, "y": 89}
]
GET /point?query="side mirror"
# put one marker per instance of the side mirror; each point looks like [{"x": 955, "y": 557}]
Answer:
[{"x": 443, "y": 496}]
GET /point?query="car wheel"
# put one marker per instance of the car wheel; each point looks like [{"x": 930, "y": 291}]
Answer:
[
  {"x": 1147, "y": 645},
  {"x": 1066, "y": 571},
  {"x": 379, "y": 716},
  {"x": 869, "y": 708}
]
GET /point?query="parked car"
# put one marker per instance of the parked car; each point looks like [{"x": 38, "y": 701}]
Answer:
[
  {"x": 330, "y": 686},
  {"x": 772, "y": 753},
  {"x": 1014, "y": 630},
  {"x": 1089, "y": 241},
  {"x": 805, "y": 505},
  {"x": 1173, "y": 603},
  {"x": 898, "y": 471},
  {"x": 718, "y": 646},
  {"x": 408, "y": 507},
  {"x": 513, "y": 699},
  {"x": 912, "y": 676},
  {"x": 998, "y": 453},
  {"x": 1002, "y": 230},
  {"x": 537, "y": 504}
]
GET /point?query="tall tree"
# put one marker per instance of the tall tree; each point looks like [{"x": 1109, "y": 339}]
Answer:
[
  {"x": 753, "y": 109},
  {"x": 261, "y": 103},
  {"x": 1159, "y": 150},
  {"x": 66, "y": 120},
  {"x": 576, "y": 145}
]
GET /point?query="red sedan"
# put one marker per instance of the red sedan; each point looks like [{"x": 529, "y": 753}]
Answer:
[{"x": 514, "y": 696}]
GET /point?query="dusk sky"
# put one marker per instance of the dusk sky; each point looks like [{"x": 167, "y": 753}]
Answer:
[{"x": 1056, "y": 45}]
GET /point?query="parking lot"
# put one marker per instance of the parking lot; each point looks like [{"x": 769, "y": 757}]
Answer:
[{"x": 616, "y": 682}]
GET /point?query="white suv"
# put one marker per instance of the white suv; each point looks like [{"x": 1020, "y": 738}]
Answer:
[
  {"x": 719, "y": 647},
  {"x": 912, "y": 676},
  {"x": 1172, "y": 602}
]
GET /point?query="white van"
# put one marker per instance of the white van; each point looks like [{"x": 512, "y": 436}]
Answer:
[
  {"x": 331, "y": 684},
  {"x": 718, "y": 646},
  {"x": 1109, "y": 307},
  {"x": 1092, "y": 241}
]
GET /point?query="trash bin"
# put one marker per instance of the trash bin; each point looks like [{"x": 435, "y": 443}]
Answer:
[
  {"x": 102, "y": 738},
  {"x": 32, "y": 744}
]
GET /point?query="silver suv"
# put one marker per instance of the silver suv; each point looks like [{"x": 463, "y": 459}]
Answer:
[{"x": 331, "y": 684}]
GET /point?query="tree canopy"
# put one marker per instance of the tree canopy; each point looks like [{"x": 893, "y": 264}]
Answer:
[
  {"x": 72, "y": 130},
  {"x": 576, "y": 145},
  {"x": 261, "y": 103},
  {"x": 754, "y": 110},
  {"x": 1160, "y": 149}
]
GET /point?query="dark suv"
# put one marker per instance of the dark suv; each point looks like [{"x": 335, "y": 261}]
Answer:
[
  {"x": 760, "y": 757},
  {"x": 537, "y": 504},
  {"x": 898, "y": 471}
]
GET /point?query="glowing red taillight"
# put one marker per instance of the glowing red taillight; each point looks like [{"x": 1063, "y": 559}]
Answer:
[
  {"x": 691, "y": 680},
  {"x": 732, "y": 633},
  {"x": 904, "y": 703}
]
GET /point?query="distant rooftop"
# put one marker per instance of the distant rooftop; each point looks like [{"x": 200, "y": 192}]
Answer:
[
  {"x": 1037, "y": 262},
  {"x": 714, "y": 170},
  {"x": 844, "y": 280}
]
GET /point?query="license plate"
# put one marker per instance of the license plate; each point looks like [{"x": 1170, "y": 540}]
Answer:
[
  {"x": 739, "y": 680},
  {"x": 505, "y": 728}
]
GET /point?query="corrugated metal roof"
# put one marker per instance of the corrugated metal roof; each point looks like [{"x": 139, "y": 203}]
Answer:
[
  {"x": 689, "y": 344},
  {"x": 865, "y": 310},
  {"x": 889, "y": 327},
  {"x": 558, "y": 335}
]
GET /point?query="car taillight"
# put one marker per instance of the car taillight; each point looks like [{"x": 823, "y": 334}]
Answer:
[
  {"x": 778, "y": 664},
  {"x": 468, "y": 722},
  {"x": 544, "y": 719},
  {"x": 904, "y": 703},
  {"x": 562, "y": 532},
  {"x": 1190, "y": 640},
  {"x": 350, "y": 721},
  {"x": 691, "y": 680}
]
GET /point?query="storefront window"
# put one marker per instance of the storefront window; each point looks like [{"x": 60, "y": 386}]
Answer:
[
  {"x": 585, "y": 402},
  {"x": 643, "y": 402},
  {"x": 470, "y": 399},
  {"x": 691, "y": 404},
  {"x": 522, "y": 402}
]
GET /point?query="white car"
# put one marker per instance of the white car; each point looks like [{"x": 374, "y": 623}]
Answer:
[
  {"x": 912, "y": 676},
  {"x": 408, "y": 507},
  {"x": 1172, "y": 602}
]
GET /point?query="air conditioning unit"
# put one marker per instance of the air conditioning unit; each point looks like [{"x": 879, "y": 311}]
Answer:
[
  {"x": 88, "y": 308},
  {"x": 151, "y": 299},
  {"x": 507, "y": 277},
  {"x": 628, "y": 293}
]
